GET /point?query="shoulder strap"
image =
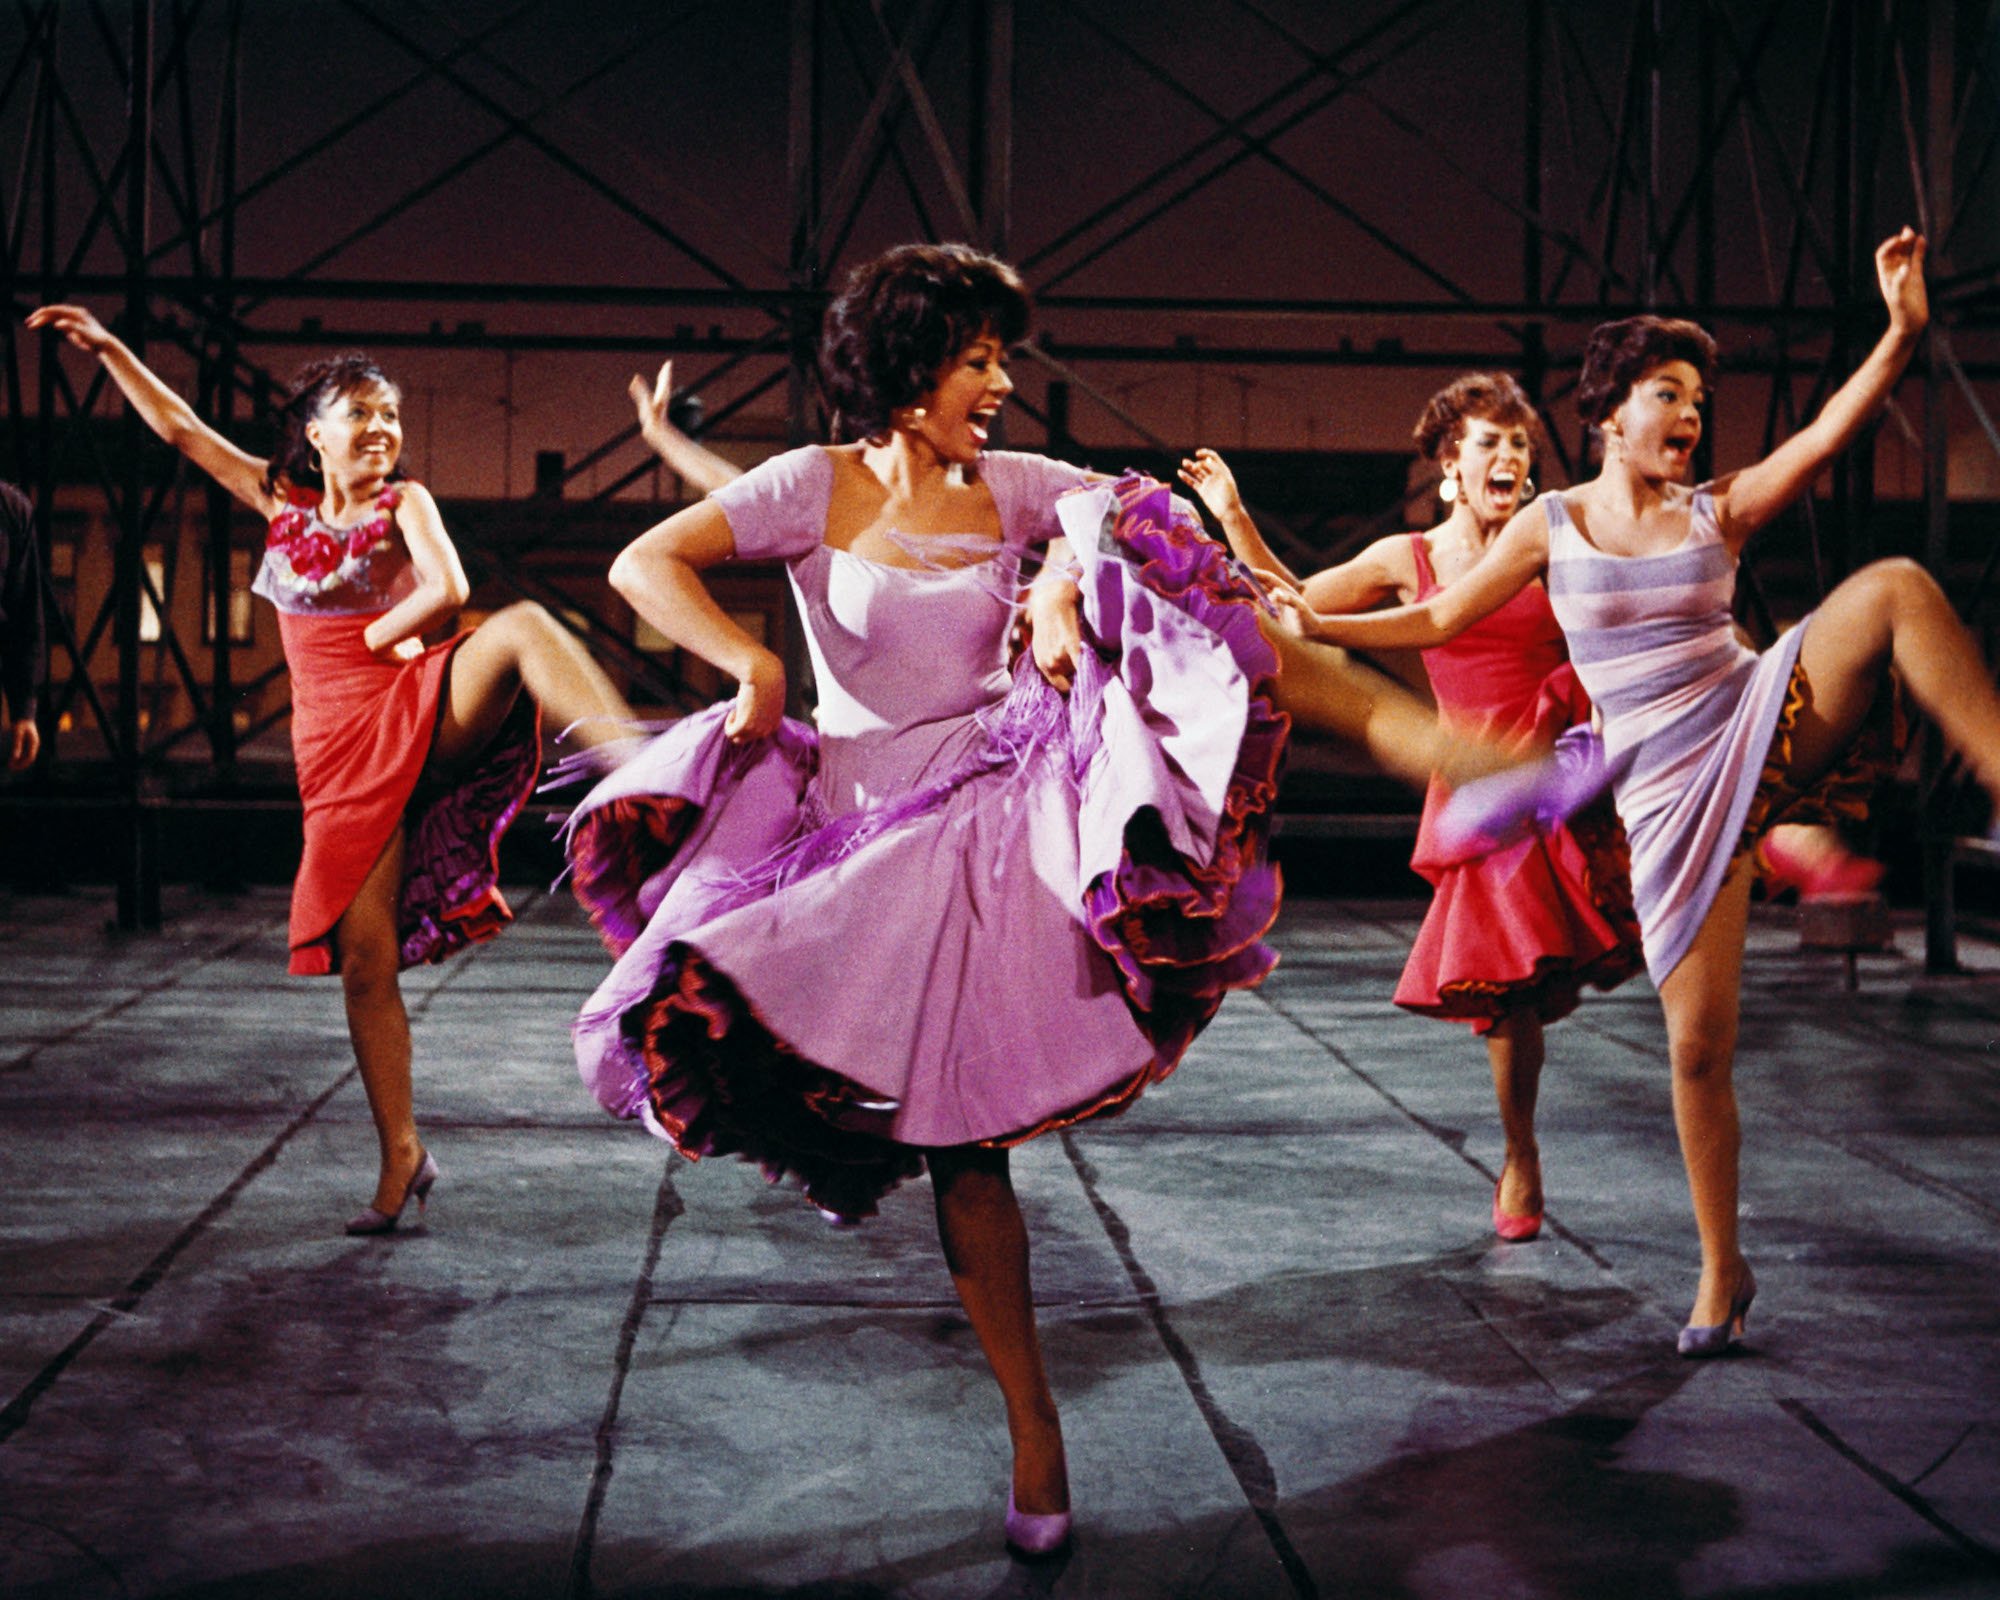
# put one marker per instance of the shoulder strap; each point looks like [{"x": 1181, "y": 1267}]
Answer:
[{"x": 1421, "y": 553}]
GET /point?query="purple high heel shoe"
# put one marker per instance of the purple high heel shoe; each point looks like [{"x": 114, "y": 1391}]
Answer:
[
  {"x": 372, "y": 1221},
  {"x": 1036, "y": 1533},
  {"x": 1700, "y": 1341}
]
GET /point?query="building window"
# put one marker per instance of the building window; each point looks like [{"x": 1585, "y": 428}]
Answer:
[{"x": 155, "y": 557}]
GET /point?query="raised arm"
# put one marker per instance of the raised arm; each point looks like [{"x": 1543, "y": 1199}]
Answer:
[
  {"x": 1746, "y": 500},
  {"x": 164, "y": 411},
  {"x": 660, "y": 574},
  {"x": 1209, "y": 476},
  {"x": 441, "y": 588},
  {"x": 693, "y": 463},
  {"x": 1518, "y": 557},
  {"x": 1384, "y": 571}
]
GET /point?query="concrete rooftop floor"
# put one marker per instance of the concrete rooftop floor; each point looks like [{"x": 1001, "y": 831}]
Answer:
[{"x": 1292, "y": 1358}]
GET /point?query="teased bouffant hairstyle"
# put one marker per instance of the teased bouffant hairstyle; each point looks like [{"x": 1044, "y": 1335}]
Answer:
[
  {"x": 1493, "y": 396},
  {"x": 1620, "y": 353},
  {"x": 295, "y": 462},
  {"x": 900, "y": 318}
]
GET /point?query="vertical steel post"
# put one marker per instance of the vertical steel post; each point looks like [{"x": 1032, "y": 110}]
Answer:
[
  {"x": 221, "y": 510},
  {"x": 1649, "y": 207},
  {"x": 1534, "y": 337},
  {"x": 1940, "y": 911},
  {"x": 138, "y": 864}
]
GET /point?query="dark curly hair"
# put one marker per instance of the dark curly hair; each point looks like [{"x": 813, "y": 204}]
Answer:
[
  {"x": 1620, "y": 353},
  {"x": 1492, "y": 396},
  {"x": 900, "y": 318},
  {"x": 295, "y": 463}
]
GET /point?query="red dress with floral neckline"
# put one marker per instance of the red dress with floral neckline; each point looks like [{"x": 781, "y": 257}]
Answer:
[{"x": 362, "y": 727}]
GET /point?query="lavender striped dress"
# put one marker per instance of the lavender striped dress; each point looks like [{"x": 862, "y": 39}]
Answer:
[{"x": 1688, "y": 710}]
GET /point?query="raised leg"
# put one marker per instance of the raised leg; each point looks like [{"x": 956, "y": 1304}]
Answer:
[
  {"x": 1702, "y": 998},
  {"x": 523, "y": 647},
  {"x": 1515, "y": 1047},
  {"x": 1893, "y": 613},
  {"x": 1329, "y": 691},
  {"x": 377, "y": 1024},
  {"x": 986, "y": 1249}
]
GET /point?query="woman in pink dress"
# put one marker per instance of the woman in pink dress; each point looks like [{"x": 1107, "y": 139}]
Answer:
[
  {"x": 1512, "y": 934},
  {"x": 411, "y": 762}
]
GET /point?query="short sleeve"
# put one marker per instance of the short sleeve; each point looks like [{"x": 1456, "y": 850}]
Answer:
[
  {"x": 1025, "y": 488},
  {"x": 777, "y": 510}
]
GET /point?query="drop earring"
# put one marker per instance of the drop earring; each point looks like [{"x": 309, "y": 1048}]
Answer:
[
  {"x": 1448, "y": 487},
  {"x": 1527, "y": 490}
]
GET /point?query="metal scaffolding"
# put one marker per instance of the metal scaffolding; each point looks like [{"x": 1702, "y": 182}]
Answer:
[{"x": 1681, "y": 154}]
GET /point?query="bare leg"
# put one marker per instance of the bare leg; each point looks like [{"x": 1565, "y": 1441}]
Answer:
[
  {"x": 1702, "y": 997},
  {"x": 1329, "y": 691},
  {"x": 377, "y": 1024},
  {"x": 986, "y": 1249},
  {"x": 1893, "y": 613},
  {"x": 1515, "y": 1048},
  {"x": 523, "y": 647}
]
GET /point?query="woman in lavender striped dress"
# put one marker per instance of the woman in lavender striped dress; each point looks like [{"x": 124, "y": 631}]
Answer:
[{"x": 1710, "y": 744}]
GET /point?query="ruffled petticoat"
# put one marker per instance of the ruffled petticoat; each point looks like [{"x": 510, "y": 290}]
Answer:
[{"x": 1029, "y": 940}]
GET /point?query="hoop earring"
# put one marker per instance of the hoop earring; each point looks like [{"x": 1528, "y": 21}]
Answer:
[{"x": 1448, "y": 487}]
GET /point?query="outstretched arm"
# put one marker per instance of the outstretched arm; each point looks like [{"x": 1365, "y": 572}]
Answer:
[
  {"x": 1518, "y": 557},
  {"x": 165, "y": 412},
  {"x": 694, "y": 463},
  {"x": 660, "y": 574},
  {"x": 1209, "y": 476},
  {"x": 1748, "y": 499},
  {"x": 1384, "y": 571}
]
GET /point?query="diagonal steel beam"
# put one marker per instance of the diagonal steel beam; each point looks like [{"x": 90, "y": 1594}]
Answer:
[
  {"x": 1417, "y": 130},
  {"x": 919, "y": 101},
  {"x": 522, "y": 129},
  {"x": 1254, "y": 145},
  {"x": 888, "y": 149},
  {"x": 1239, "y": 127},
  {"x": 323, "y": 142},
  {"x": 844, "y": 199}
]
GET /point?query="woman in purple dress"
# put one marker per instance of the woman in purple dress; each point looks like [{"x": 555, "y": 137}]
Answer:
[
  {"x": 975, "y": 903},
  {"x": 1710, "y": 745},
  {"x": 966, "y": 908}
]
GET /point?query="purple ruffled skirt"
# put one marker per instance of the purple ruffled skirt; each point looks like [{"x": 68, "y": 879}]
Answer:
[{"x": 1030, "y": 939}]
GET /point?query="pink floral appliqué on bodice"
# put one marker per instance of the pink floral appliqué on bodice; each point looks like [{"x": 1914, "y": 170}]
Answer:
[{"x": 312, "y": 568}]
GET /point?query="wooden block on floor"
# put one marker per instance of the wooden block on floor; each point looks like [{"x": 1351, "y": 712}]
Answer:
[{"x": 1860, "y": 923}]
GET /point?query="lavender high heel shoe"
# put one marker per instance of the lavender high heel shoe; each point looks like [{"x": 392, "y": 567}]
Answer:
[
  {"x": 1698, "y": 1342},
  {"x": 372, "y": 1221},
  {"x": 1035, "y": 1533}
]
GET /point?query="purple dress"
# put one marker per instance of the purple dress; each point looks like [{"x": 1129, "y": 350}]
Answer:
[{"x": 966, "y": 909}]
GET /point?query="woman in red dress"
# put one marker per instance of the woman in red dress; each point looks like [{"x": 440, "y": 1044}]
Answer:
[
  {"x": 1512, "y": 935},
  {"x": 412, "y": 762}
]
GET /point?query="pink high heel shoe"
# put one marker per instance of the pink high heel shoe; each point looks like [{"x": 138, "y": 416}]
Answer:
[
  {"x": 1836, "y": 874},
  {"x": 1514, "y": 1229},
  {"x": 1036, "y": 1533},
  {"x": 371, "y": 1221}
]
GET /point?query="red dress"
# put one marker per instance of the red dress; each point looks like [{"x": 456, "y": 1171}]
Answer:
[
  {"x": 1527, "y": 926},
  {"x": 362, "y": 728}
]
